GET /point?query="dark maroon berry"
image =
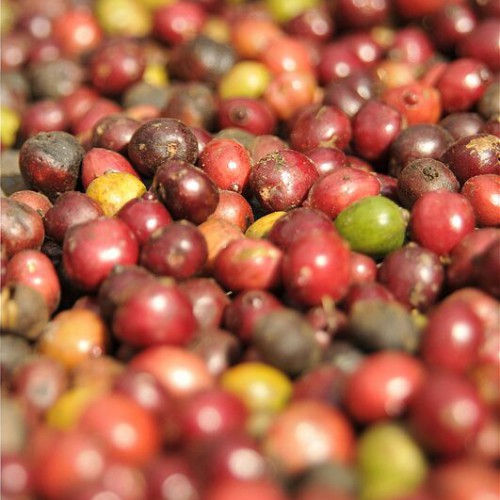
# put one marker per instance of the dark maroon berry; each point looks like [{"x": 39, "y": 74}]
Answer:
[
  {"x": 423, "y": 175},
  {"x": 187, "y": 191},
  {"x": 50, "y": 162},
  {"x": 423, "y": 140},
  {"x": 473, "y": 155},
  {"x": 70, "y": 208},
  {"x": 178, "y": 250},
  {"x": 462, "y": 124},
  {"x": 413, "y": 275},
  {"x": 160, "y": 140},
  {"x": 201, "y": 59},
  {"x": 208, "y": 300},
  {"x": 114, "y": 132},
  {"x": 145, "y": 215},
  {"x": 193, "y": 103},
  {"x": 21, "y": 227},
  {"x": 434, "y": 419}
]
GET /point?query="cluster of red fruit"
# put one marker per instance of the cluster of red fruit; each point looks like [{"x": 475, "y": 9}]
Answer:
[{"x": 252, "y": 250}]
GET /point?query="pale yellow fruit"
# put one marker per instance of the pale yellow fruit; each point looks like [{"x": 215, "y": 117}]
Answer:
[
  {"x": 113, "y": 190},
  {"x": 261, "y": 227}
]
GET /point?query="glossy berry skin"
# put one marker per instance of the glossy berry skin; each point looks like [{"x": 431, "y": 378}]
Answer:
[
  {"x": 92, "y": 249},
  {"x": 441, "y": 234},
  {"x": 77, "y": 32},
  {"x": 50, "y": 162},
  {"x": 121, "y": 283},
  {"x": 43, "y": 116},
  {"x": 281, "y": 180},
  {"x": 21, "y": 227},
  {"x": 69, "y": 209},
  {"x": 374, "y": 128},
  {"x": 180, "y": 372},
  {"x": 252, "y": 115},
  {"x": 327, "y": 159},
  {"x": 473, "y": 155},
  {"x": 245, "y": 309},
  {"x": 186, "y": 191},
  {"x": 417, "y": 102},
  {"x": 452, "y": 337},
  {"x": 178, "y": 250},
  {"x": 423, "y": 140},
  {"x": 98, "y": 161},
  {"x": 451, "y": 24},
  {"x": 157, "y": 314},
  {"x": 127, "y": 431},
  {"x": 234, "y": 208},
  {"x": 462, "y": 84},
  {"x": 480, "y": 43},
  {"x": 424, "y": 175},
  {"x": 58, "y": 462},
  {"x": 321, "y": 126},
  {"x": 463, "y": 479},
  {"x": 437, "y": 416},
  {"x": 335, "y": 191},
  {"x": 113, "y": 132},
  {"x": 116, "y": 66},
  {"x": 337, "y": 61},
  {"x": 463, "y": 123},
  {"x": 166, "y": 472},
  {"x": 289, "y": 91},
  {"x": 159, "y": 140},
  {"x": 227, "y": 163},
  {"x": 465, "y": 257},
  {"x": 178, "y": 22},
  {"x": 247, "y": 263},
  {"x": 482, "y": 192},
  {"x": 35, "y": 269},
  {"x": 296, "y": 223},
  {"x": 212, "y": 413},
  {"x": 208, "y": 300},
  {"x": 317, "y": 268},
  {"x": 414, "y": 275},
  {"x": 373, "y": 225},
  {"x": 144, "y": 216},
  {"x": 383, "y": 386},
  {"x": 326, "y": 425}
]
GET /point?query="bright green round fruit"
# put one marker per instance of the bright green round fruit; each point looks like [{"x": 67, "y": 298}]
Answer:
[{"x": 374, "y": 225}]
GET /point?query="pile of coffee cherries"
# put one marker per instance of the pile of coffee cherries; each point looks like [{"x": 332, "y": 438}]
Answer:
[{"x": 250, "y": 250}]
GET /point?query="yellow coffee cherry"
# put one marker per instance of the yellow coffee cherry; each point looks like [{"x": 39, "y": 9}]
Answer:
[
  {"x": 123, "y": 17},
  {"x": 113, "y": 190},
  {"x": 261, "y": 227},
  {"x": 154, "y": 4},
  {"x": 245, "y": 79},
  {"x": 66, "y": 411},
  {"x": 9, "y": 126},
  {"x": 156, "y": 74},
  {"x": 217, "y": 29},
  {"x": 284, "y": 11},
  {"x": 261, "y": 387}
]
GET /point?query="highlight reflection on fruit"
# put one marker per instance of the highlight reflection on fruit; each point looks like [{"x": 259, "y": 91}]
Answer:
[{"x": 250, "y": 249}]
